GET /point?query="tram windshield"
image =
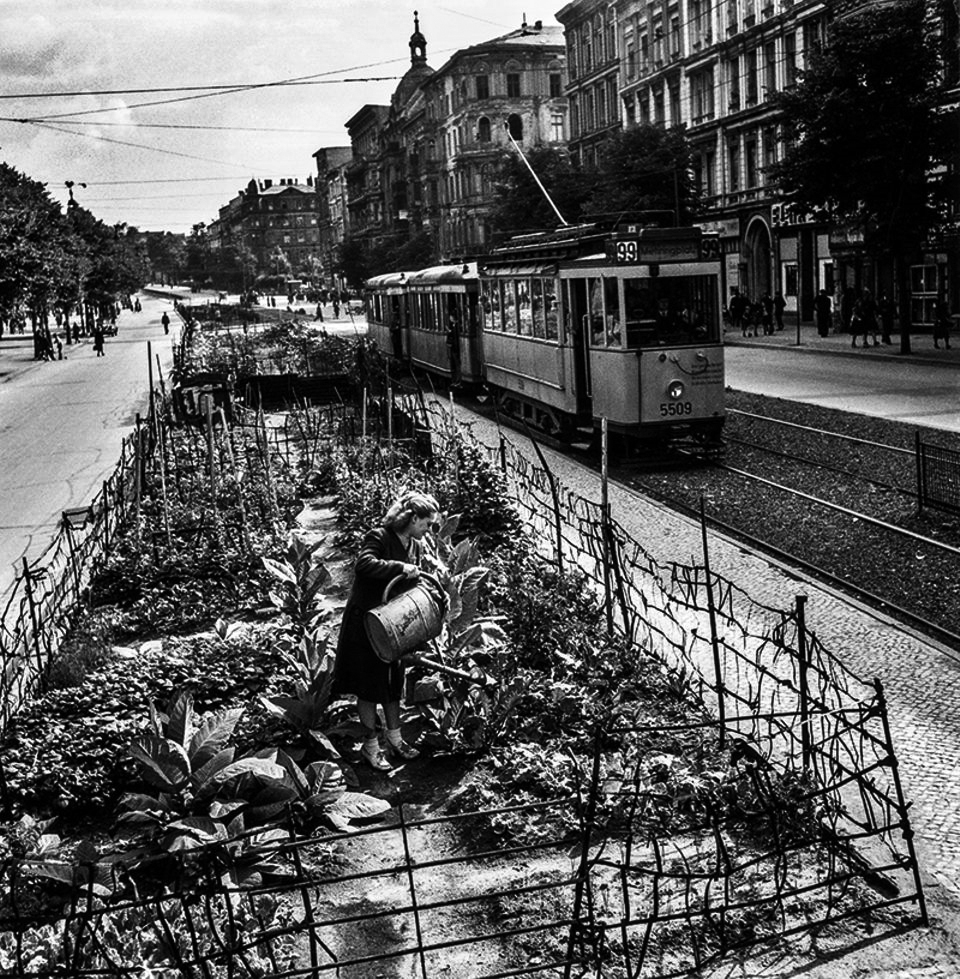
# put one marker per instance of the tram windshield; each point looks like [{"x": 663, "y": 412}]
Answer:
[{"x": 671, "y": 310}]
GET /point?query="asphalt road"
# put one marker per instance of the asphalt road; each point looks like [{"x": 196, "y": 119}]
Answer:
[
  {"x": 918, "y": 389},
  {"x": 62, "y": 424}
]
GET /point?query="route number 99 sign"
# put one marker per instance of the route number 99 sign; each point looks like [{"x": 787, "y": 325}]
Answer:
[{"x": 626, "y": 252}]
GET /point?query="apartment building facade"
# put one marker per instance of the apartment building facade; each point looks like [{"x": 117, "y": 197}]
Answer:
[
  {"x": 484, "y": 102},
  {"x": 712, "y": 67},
  {"x": 267, "y": 215},
  {"x": 422, "y": 167}
]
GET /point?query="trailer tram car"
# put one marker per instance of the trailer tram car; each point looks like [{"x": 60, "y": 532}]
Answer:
[
  {"x": 388, "y": 323},
  {"x": 578, "y": 326},
  {"x": 436, "y": 313}
]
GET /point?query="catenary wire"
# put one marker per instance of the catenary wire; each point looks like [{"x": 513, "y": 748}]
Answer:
[{"x": 142, "y": 146}]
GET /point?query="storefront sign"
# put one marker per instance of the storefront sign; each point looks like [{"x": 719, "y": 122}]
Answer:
[{"x": 786, "y": 215}]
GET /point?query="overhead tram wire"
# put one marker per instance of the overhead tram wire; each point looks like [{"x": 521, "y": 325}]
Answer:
[
  {"x": 142, "y": 146},
  {"x": 320, "y": 78},
  {"x": 174, "y": 125}
]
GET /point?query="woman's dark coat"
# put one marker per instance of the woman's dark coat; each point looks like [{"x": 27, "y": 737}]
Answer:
[{"x": 358, "y": 669}]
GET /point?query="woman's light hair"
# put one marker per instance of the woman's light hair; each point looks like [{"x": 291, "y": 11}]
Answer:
[{"x": 407, "y": 506}]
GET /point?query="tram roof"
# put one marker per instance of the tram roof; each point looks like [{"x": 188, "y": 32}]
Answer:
[
  {"x": 445, "y": 274},
  {"x": 388, "y": 279},
  {"x": 545, "y": 245}
]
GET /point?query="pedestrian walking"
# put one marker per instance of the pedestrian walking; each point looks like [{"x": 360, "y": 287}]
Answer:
[
  {"x": 822, "y": 312},
  {"x": 319, "y": 315},
  {"x": 58, "y": 346},
  {"x": 779, "y": 305},
  {"x": 888, "y": 314},
  {"x": 98, "y": 339},
  {"x": 868, "y": 313},
  {"x": 336, "y": 307},
  {"x": 766, "y": 304},
  {"x": 738, "y": 308},
  {"x": 165, "y": 320},
  {"x": 387, "y": 551},
  {"x": 941, "y": 323}
]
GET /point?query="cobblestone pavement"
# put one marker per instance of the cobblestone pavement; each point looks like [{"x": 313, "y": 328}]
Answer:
[{"x": 920, "y": 677}]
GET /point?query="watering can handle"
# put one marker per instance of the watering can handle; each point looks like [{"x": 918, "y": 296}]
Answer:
[{"x": 423, "y": 576}]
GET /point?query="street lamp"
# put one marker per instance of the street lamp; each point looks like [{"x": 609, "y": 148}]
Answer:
[{"x": 72, "y": 205}]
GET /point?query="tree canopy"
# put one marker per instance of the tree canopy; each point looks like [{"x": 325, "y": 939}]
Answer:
[
  {"x": 863, "y": 130},
  {"x": 519, "y": 204},
  {"x": 641, "y": 171},
  {"x": 50, "y": 259}
]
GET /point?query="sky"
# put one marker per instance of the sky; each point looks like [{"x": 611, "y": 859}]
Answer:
[{"x": 173, "y": 177}]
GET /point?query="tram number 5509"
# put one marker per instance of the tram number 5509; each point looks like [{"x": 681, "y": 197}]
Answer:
[{"x": 671, "y": 408}]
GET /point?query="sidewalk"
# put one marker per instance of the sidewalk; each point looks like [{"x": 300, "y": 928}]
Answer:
[
  {"x": 922, "y": 349},
  {"x": 183, "y": 294}
]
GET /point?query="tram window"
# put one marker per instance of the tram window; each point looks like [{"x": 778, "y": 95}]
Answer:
[
  {"x": 640, "y": 307},
  {"x": 509, "y": 303},
  {"x": 536, "y": 304},
  {"x": 611, "y": 306},
  {"x": 496, "y": 306},
  {"x": 524, "y": 312},
  {"x": 486, "y": 304},
  {"x": 550, "y": 309},
  {"x": 671, "y": 310},
  {"x": 594, "y": 315},
  {"x": 569, "y": 330}
]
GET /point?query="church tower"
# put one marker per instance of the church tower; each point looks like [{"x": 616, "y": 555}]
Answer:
[{"x": 418, "y": 43}]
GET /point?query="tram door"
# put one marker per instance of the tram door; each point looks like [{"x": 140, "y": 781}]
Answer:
[{"x": 578, "y": 306}]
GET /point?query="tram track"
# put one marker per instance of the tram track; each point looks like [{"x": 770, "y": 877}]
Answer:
[
  {"x": 789, "y": 560},
  {"x": 846, "y": 517},
  {"x": 887, "y": 559}
]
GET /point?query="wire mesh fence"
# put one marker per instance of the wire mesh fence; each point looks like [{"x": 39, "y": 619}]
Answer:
[{"x": 611, "y": 891}]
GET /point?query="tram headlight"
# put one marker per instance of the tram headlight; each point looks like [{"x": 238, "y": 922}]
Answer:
[{"x": 675, "y": 390}]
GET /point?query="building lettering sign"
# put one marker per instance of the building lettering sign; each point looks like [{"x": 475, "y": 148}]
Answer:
[{"x": 786, "y": 215}]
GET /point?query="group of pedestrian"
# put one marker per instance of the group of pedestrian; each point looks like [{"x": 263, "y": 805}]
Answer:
[
  {"x": 751, "y": 316},
  {"x": 333, "y": 297}
]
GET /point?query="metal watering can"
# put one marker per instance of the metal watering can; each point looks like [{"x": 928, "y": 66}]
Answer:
[{"x": 415, "y": 616}]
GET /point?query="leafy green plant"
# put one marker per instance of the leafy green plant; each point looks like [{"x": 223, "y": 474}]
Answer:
[
  {"x": 468, "y": 714},
  {"x": 305, "y": 647},
  {"x": 207, "y": 799},
  {"x": 155, "y": 938},
  {"x": 303, "y": 579},
  {"x": 306, "y": 709}
]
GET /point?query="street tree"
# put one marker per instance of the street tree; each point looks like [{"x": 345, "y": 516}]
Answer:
[
  {"x": 643, "y": 174},
  {"x": 167, "y": 254},
  {"x": 865, "y": 137},
  {"x": 520, "y": 205},
  {"x": 33, "y": 238}
]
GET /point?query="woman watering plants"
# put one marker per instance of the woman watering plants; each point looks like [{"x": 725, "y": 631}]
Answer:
[{"x": 387, "y": 551}]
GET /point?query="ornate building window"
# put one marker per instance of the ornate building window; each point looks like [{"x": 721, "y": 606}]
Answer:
[{"x": 483, "y": 130}]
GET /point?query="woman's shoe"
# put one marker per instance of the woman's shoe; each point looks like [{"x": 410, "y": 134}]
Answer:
[
  {"x": 403, "y": 751},
  {"x": 375, "y": 759}
]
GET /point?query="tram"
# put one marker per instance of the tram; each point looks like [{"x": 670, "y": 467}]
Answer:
[
  {"x": 572, "y": 327},
  {"x": 429, "y": 320}
]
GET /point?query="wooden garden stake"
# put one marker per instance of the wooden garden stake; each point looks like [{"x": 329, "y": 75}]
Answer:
[
  {"x": 137, "y": 479},
  {"x": 271, "y": 489},
  {"x": 714, "y": 638},
  {"x": 604, "y": 525},
  {"x": 236, "y": 476}
]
